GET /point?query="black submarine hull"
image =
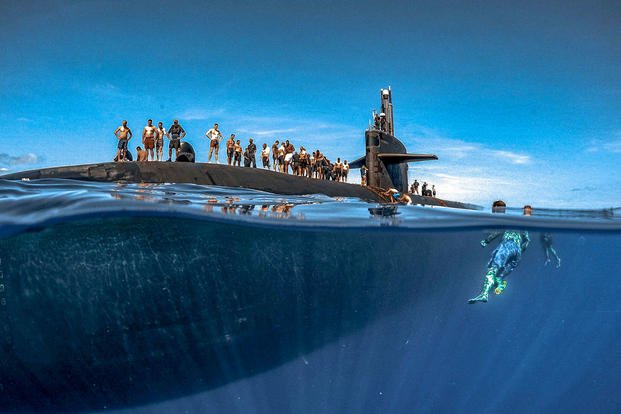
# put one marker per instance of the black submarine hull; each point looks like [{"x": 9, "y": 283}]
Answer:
[
  {"x": 220, "y": 175},
  {"x": 156, "y": 308}
]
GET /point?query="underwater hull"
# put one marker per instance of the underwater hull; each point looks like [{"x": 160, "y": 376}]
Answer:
[{"x": 152, "y": 309}]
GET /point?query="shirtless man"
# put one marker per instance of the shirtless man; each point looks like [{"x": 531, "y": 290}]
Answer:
[
  {"x": 142, "y": 154},
  {"x": 275, "y": 154},
  {"x": 345, "y": 171},
  {"x": 319, "y": 161},
  {"x": 238, "y": 153},
  {"x": 311, "y": 167},
  {"x": 148, "y": 138},
  {"x": 123, "y": 134},
  {"x": 214, "y": 137},
  {"x": 159, "y": 141},
  {"x": 175, "y": 135},
  {"x": 395, "y": 196},
  {"x": 289, "y": 150},
  {"x": 338, "y": 169},
  {"x": 303, "y": 162},
  {"x": 230, "y": 149},
  {"x": 281, "y": 157}
]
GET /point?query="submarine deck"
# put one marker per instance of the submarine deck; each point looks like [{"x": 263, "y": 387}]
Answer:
[{"x": 216, "y": 174}]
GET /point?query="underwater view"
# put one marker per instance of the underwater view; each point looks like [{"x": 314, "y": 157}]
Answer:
[{"x": 186, "y": 298}]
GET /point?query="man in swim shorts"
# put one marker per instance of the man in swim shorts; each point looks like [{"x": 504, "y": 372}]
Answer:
[
  {"x": 148, "y": 138},
  {"x": 159, "y": 141},
  {"x": 265, "y": 156},
  {"x": 175, "y": 135},
  {"x": 252, "y": 151},
  {"x": 123, "y": 134},
  {"x": 289, "y": 150},
  {"x": 304, "y": 161},
  {"x": 238, "y": 153},
  {"x": 230, "y": 149},
  {"x": 338, "y": 170},
  {"x": 505, "y": 257},
  {"x": 281, "y": 157},
  {"x": 214, "y": 136},
  {"x": 275, "y": 154}
]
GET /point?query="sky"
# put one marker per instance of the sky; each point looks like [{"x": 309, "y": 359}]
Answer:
[{"x": 519, "y": 101}]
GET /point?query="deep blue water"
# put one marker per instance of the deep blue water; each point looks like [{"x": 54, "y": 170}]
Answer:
[{"x": 185, "y": 298}]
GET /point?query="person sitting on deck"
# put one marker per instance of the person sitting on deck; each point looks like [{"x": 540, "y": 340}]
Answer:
[
  {"x": 142, "y": 155},
  {"x": 396, "y": 196}
]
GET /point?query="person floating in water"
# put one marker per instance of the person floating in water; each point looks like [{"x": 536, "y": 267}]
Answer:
[
  {"x": 546, "y": 242},
  {"x": 505, "y": 257}
]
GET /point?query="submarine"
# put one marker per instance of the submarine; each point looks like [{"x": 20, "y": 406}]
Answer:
[
  {"x": 386, "y": 162},
  {"x": 149, "y": 309}
]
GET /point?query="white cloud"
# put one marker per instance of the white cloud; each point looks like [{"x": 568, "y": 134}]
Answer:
[
  {"x": 512, "y": 157},
  {"x": 200, "y": 114},
  {"x": 605, "y": 146},
  {"x": 7, "y": 161},
  {"x": 10, "y": 160},
  {"x": 270, "y": 132}
]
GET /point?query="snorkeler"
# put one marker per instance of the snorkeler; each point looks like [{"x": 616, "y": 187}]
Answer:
[
  {"x": 505, "y": 257},
  {"x": 546, "y": 242}
]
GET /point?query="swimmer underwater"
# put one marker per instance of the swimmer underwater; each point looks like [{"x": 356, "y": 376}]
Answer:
[{"x": 507, "y": 255}]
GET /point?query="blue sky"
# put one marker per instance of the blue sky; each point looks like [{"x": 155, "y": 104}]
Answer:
[{"x": 520, "y": 102}]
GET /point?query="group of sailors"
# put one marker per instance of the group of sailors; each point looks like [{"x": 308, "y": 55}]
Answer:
[
  {"x": 152, "y": 139},
  {"x": 282, "y": 156},
  {"x": 425, "y": 190}
]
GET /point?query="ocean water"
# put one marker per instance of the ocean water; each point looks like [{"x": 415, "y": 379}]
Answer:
[{"x": 186, "y": 298}]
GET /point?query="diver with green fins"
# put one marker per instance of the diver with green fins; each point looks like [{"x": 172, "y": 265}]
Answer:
[{"x": 508, "y": 254}]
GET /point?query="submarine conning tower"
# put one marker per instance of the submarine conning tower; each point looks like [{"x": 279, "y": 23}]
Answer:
[{"x": 386, "y": 157}]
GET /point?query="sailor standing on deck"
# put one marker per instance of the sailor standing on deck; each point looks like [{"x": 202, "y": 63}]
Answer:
[
  {"x": 230, "y": 149},
  {"x": 148, "y": 139},
  {"x": 265, "y": 156},
  {"x": 123, "y": 134},
  {"x": 159, "y": 141},
  {"x": 252, "y": 150},
  {"x": 275, "y": 154},
  {"x": 214, "y": 137},
  {"x": 175, "y": 135}
]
